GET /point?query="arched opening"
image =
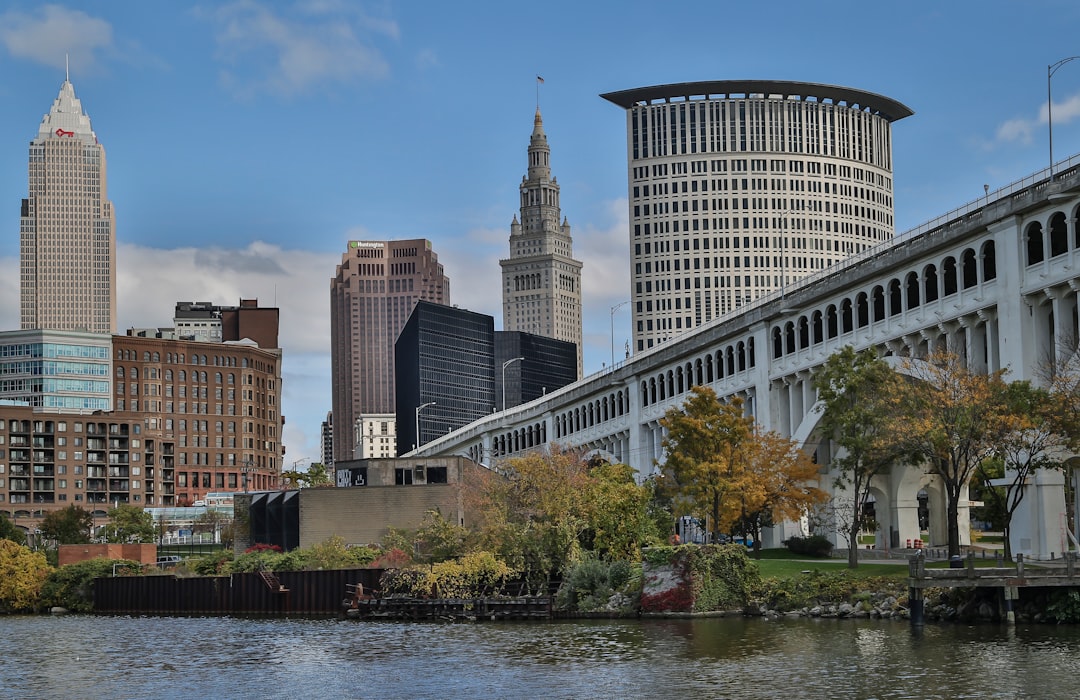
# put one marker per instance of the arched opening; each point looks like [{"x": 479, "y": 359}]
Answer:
[
  {"x": 1033, "y": 235},
  {"x": 948, "y": 271},
  {"x": 846, "y": 321},
  {"x": 830, "y": 321},
  {"x": 911, "y": 285},
  {"x": 989, "y": 261},
  {"x": 862, "y": 310},
  {"x": 970, "y": 269},
  {"x": 879, "y": 303},
  {"x": 930, "y": 283},
  {"x": 896, "y": 301},
  {"x": 1059, "y": 235},
  {"x": 817, "y": 328}
]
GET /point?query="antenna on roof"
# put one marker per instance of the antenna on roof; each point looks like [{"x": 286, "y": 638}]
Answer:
[{"x": 67, "y": 69}]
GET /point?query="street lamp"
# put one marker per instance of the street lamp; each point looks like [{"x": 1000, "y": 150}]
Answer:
[
  {"x": 1050, "y": 70},
  {"x": 504, "y": 366},
  {"x": 419, "y": 408},
  {"x": 613, "y": 310}
]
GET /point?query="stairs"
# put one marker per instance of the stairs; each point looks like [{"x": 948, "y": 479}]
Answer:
[{"x": 272, "y": 582}]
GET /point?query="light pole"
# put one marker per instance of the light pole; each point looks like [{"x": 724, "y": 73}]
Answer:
[
  {"x": 613, "y": 310},
  {"x": 505, "y": 365},
  {"x": 1050, "y": 70},
  {"x": 419, "y": 408}
]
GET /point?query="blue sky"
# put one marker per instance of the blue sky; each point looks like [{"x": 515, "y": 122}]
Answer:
[{"x": 248, "y": 141}]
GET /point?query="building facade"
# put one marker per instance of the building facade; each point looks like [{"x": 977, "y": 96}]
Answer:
[
  {"x": 217, "y": 404},
  {"x": 541, "y": 280},
  {"x": 738, "y": 188},
  {"x": 529, "y": 366},
  {"x": 57, "y": 370},
  {"x": 444, "y": 360},
  {"x": 372, "y": 294},
  {"x": 326, "y": 434},
  {"x": 67, "y": 227},
  {"x": 376, "y": 436}
]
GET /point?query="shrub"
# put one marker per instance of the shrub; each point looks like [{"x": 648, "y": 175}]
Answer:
[
  {"x": 474, "y": 575},
  {"x": 812, "y": 546},
  {"x": 405, "y": 582},
  {"x": 22, "y": 573},
  {"x": 72, "y": 586},
  {"x": 701, "y": 579},
  {"x": 213, "y": 564},
  {"x": 586, "y": 587}
]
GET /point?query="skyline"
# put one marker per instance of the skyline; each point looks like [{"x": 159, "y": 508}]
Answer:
[{"x": 404, "y": 122}]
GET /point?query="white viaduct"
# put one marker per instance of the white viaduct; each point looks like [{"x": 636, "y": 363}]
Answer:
[{"x": 995, "y": 282}]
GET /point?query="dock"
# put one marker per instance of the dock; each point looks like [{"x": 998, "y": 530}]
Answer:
[{"x": 964, "y": 574}]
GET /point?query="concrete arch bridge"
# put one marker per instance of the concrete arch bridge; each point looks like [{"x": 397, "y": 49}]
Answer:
[{"x": 994, "y": 282}]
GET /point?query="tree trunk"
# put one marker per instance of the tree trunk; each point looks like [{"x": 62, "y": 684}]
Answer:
[
  {"x": 853, "y": 546},
  {"x": 1006, "y": 539},
  {"x": 953, "y": 516}
]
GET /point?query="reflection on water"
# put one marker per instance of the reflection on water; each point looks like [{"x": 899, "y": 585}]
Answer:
[{"x": 91, "y": 657}]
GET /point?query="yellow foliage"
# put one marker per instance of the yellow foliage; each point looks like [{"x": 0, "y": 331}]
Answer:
[
  {"x": 22, "y": 573},
  {"x": 473, "y": 575}
]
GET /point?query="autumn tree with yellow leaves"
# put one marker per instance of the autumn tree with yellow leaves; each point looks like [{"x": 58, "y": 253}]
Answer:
[
  {"x": 720, "y": 464},
  {"x": 954, "y": 418},
  {"x": 22, "y": 574}
]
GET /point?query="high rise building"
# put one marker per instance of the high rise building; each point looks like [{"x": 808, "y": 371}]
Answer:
[
  {"x": 541, "y": 279},
  {"x": 528, "y": 366},
  {"x": 446, "y": 380},
  {"x": 737, "y": 188},
  {"x": 372, "y": 295},
  {"x": 67, "y": 228}
]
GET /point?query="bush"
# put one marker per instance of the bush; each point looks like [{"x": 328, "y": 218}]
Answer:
[
  {"x": 72, "y": 586},
  {"x": 812, "y": 546},
  {"x": 474, "y": 575},
  {"x": 706, "y": 578},
  {"x": 586, "y": 587},
  {"x": 817, "y": 587},
  {"x": 214, "y": 564},
  {"x": 412, "y": 583}
]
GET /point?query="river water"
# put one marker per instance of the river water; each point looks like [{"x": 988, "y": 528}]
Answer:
[{"x": 115, "y": 657}]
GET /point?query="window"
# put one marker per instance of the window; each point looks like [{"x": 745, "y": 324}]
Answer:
[
  {"x": 436, "y": 475},
  {"x": 403, "y": 477}
]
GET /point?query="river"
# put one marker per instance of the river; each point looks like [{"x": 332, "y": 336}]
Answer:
[{"x": 113, "y": 657}]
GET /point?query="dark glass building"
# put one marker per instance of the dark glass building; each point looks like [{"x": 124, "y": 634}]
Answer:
[
  {"x": 445, "y": 379},
  {"x": 547, "y": 364}
]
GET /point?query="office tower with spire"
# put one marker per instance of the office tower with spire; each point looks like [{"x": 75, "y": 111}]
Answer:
[
  {"x": 67, "y": 228},
  {"x": 541, "y": 280},
  {"x": 371, "y": 297}
]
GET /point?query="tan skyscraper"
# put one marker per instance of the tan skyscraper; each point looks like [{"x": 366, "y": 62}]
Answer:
[
  {"x": 67, "y": 228},
  {"x": 371, "y": 297},
  {"x": 541, "y": 279}
]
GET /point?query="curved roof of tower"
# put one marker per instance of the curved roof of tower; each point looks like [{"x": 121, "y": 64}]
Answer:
[{"x": 856, "y": 99}]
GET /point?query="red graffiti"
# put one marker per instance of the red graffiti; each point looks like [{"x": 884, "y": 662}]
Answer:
[{"x": 61, "y": 132}]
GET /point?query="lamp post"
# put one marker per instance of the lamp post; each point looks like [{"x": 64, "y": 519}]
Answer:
[
  {"x": 1050, "y": 70},
  {"x": 504, "y": 366},
  {"x": 419, "y": 408},
  {"x": 613, "y": 310}
]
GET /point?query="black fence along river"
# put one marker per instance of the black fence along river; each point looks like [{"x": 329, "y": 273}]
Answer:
[{"x": 221, "y": 657}]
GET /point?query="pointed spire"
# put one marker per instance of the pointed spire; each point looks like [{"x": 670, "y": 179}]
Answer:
[{"x": 66, "y": 118}]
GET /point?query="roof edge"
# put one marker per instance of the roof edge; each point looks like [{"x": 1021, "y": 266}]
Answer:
[{"x": 878, "y": 104}]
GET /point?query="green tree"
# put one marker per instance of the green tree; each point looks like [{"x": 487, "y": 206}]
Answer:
[
  {"x": 858, "y": 391},
  {"x": 11, "y": 531},
  {"x": 316, "y": 476},
  {"x": 70, "y": 525},
  {"x": 954, "y": 416},
  {"x": 214, "y": 521},
  {"x": 22, "y": 574},
  {"x": 619, "y": 519},
  {"x": 531, "y": 511},
  {"x": 130, "y": 524}
]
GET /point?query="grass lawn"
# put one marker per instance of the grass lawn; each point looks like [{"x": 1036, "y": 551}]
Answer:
[{"x": 781, "y": 563}]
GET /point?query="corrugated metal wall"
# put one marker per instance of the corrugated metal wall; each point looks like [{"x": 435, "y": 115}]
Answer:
[{"x": 309, "y": 593}]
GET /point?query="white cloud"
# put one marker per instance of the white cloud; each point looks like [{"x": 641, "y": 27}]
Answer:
[
  {"x": 52, "y": 32},
  {"x": 291, "y": 53},
  {"x": 1022, "y": 129}
]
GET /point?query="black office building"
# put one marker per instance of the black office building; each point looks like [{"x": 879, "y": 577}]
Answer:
[
  {"x": 445, "y": 379},
  {"x": 546, "y": 364}
]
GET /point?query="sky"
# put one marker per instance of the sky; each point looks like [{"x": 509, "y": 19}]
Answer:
[{"x": 248, "y": 142}]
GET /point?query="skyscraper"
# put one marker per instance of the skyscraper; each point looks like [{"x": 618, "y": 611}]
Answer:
[
  {"x": 67, "y": 228},
  {"x": 541, "y": 279},
  {"x": 739, "y": 187},
  {"x": 375, "y": 289}
]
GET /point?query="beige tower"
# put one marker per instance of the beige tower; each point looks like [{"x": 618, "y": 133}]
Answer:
[
  {"x": 67, "y": 228},
  {"x": 541, "y": 279}
]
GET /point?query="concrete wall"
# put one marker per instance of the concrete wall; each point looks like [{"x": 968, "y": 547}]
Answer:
[{"x": 364, "y": 514}]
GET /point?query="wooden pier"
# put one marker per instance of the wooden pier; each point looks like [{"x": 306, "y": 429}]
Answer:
[{"x": 1008, "y": 578}]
